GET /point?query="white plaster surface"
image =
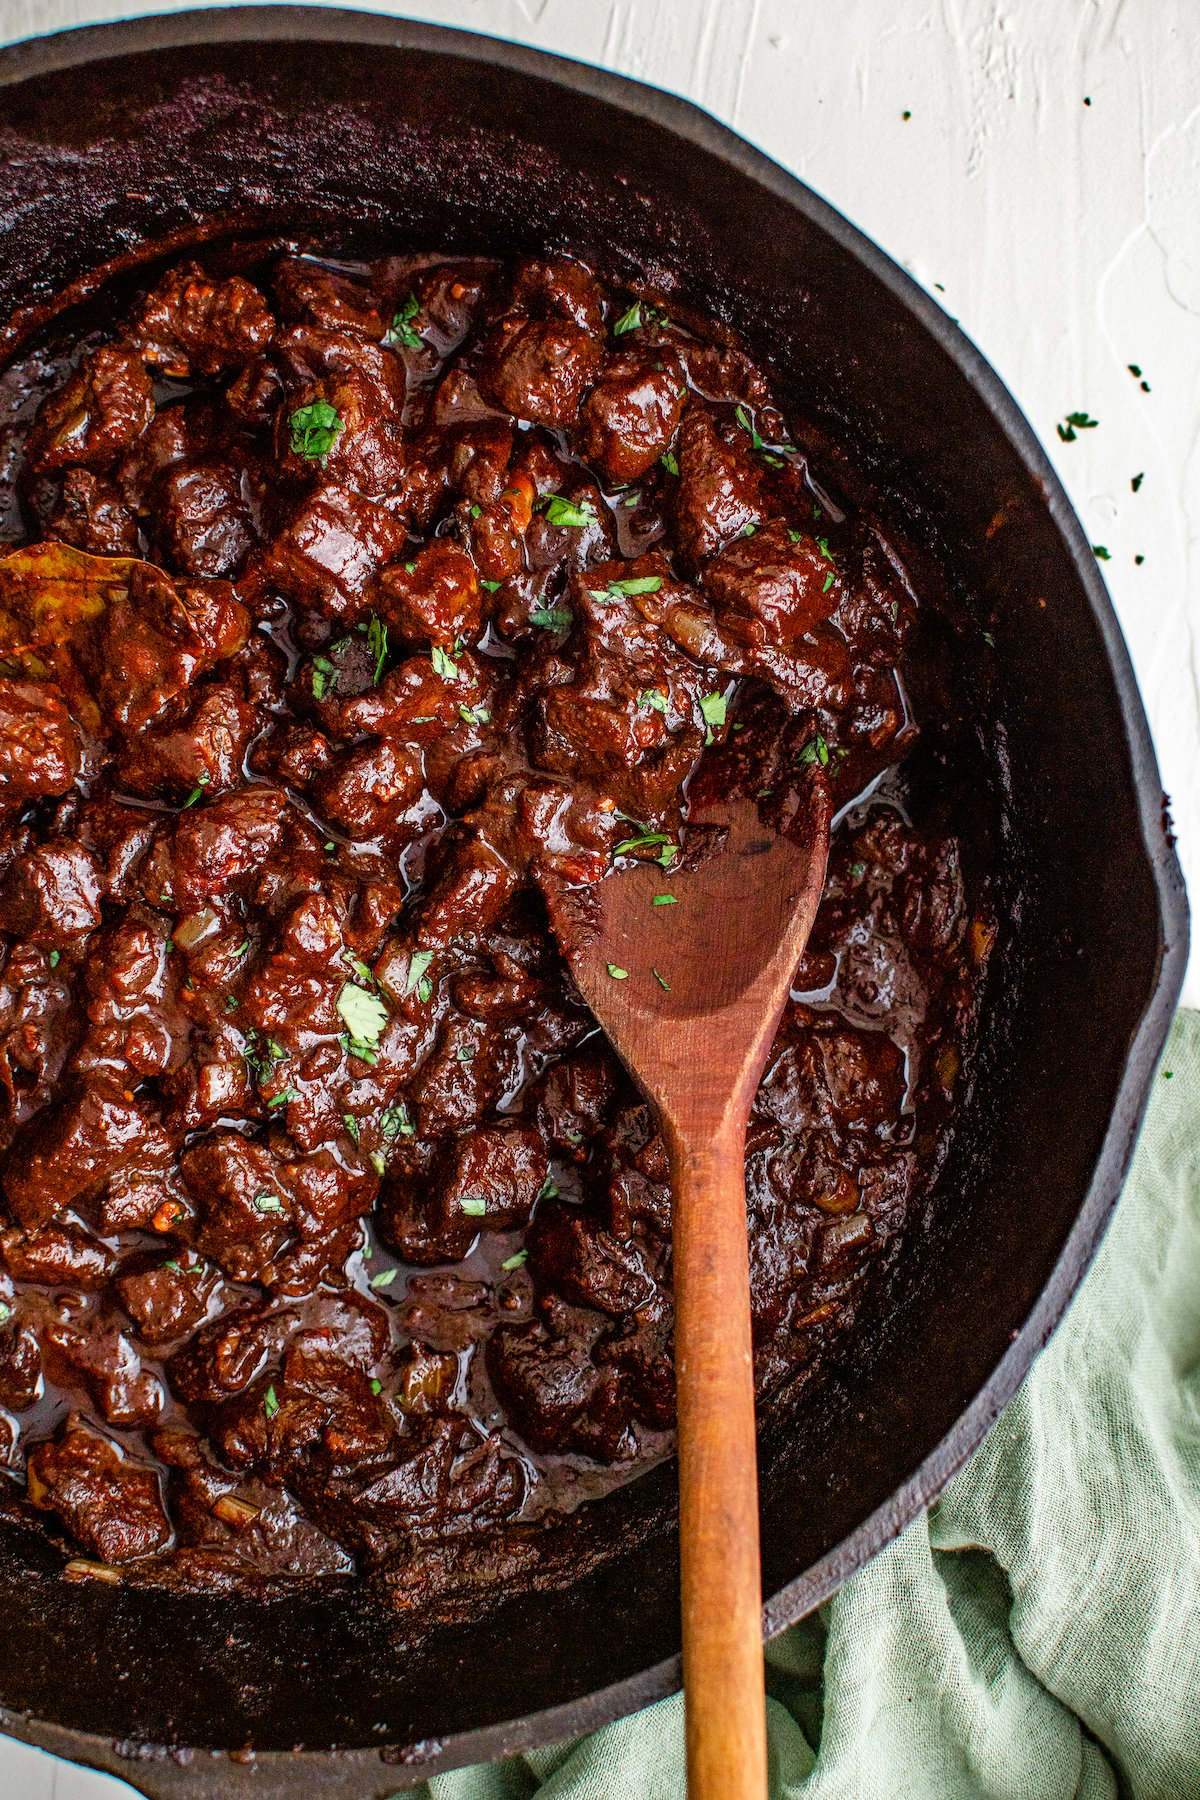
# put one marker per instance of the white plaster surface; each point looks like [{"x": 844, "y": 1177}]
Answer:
[{"x": 1064, "y": 236}]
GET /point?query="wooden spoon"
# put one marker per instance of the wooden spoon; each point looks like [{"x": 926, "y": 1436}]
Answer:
[{"x": 689, "y": 992}]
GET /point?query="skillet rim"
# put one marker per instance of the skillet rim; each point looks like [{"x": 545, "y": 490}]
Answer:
[{"x": 352, "y": 1773}]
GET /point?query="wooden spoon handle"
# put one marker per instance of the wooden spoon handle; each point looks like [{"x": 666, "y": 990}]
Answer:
[{"x": 721, "y": 1576}]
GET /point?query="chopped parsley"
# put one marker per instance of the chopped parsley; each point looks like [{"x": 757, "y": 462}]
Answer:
[
  {"x": 747, "y": 424},
  {"x": 628, "y": 321},
  {"x": 857, "y": 871},
  {"x": 314, "y": 429},
  {"x": 473, "y": 1206},
  {"x": 266, "y": 1202},
  {"x": 53, "y": 959},
  {"x": 491, "y": 586},
  {"x": 670, "y": 462},
  {"x": 201, "y": 783},
  {"x": 377, "y": 644},
  {"x": 284, "y": 1099},
  {"x": 828, "y": 582},
  {"x": 323, "y": 670},
  {"x": 418, "y": 962},
  {"x": 474, "y": 715},
  {"x": 443, "y": 665},
  {"x": 640, "y": 843},
  {"x": 364, "y": 1014},
  {"x": 465, "y": 1053},
  {"x": 653, "y": 697},
  {"x": 5, "y": 1312},
  {"x": 1101, "y": 552},
  {"x": 1137, "y": 481},
  {"x": 618, "y": 974},
  {"x": 665, "y": 900},
  {"x": 713, "y": 708},
  {"x": 365, "y": 974},
  {"x": 376, "y": 1385},
  {"x": 270, "y": 1402},
  {"x": 816, "y": 752},
  {"x": 401, "y": 331},
  {"x": 517, "y": 1260},
  {"x": 395, "y": 1122},
  {"x": 1074, "y": 423},
  {"x": 377, "y": 1161},
  {"x": 384, "y": 1278},
  {"x": 351, "y": 1124},
  {"x": 661, "y": 980},
  {"x": 823, "y": 547},
  {"x": 548, "y": 1189},
  {"x": 574, "y": 515},
  {"x": 551, "y": 618},
  {"x": 637, "y": 584}
]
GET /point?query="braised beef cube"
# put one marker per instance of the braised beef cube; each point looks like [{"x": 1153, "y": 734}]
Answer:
[
  {"x": 403, "y": 1222},
  {"x": 204, "y": 750},
  {"x": 487, "y": 1482},
  {"x": 191, "y": 325},
  {"x": 39, "y": 742},
  {"x": 372, "y": 1510},
  {"x": 631, "y": 416},
  {"x": 104, "y": 406},
  {"x": 57, "y": 1256},
  {"x": 246, "y": 1211},
  {"x": 559, "y": 1399},
  {"x": 450, "y": 297},
  {"x": 21, "y": 1379},
  {"x": 836, "y": 1079},
  {"x": 357, "y": 1427},
  {"x": 67, "y": 1154},
  {"x": 575, "y": 1100},
  {"x": 559, "y": 287},
  {"x": 219, "y": 844},
  {"x": 166, "y": 1298},
  {"x": 773, "y": 587},
  {"x": 181, "y": 431},
  {"x": 331, "y": 551},
  {"x": 365, "y": 791},
  {"x": 469, "y": 895},
  {"x": 641, "y": 1353},
  {"x": 539, "y": 369},
  {"x": 92, "y": 515},
  {"x": 253, "y": 396},
  {"x": 343, "y": 410},
  {"x": 633, "y": 1198},
  {"x": 434, "y": 598},
  {"x": 51, "y": 895},
  {"x": 502, "y": 1165},
  {"x": 570, "y": 1252},
  {"x": 721, "y": 372},
  {"x": 463, "y": 1077},
  {"x": 103, "y": 1360},
  {"x": 417, "y": 702},
  {"x": 934, "y": 901},
  {"x": 111, "y": 1506},
  {"x": 310, "y": 294},
  {"x": 204, "y": 521},
  {"x": 155, "y": 639},
  {"x": 501, "y": 998},
  {"x": 225, "y": 1357},
  {"x": 719, "y": 491},
  {"x": 294, "y": 755}
]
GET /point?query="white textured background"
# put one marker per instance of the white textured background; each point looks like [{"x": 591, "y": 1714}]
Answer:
[{"x": 1065, "y": 237}]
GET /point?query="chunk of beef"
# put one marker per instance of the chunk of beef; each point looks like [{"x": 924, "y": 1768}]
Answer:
[
  {"x": 200, "y": 743},
  {"x": 462, "y": 1079},
  {"x": 570, "y": 1252},
  {"x": 331, "y": 551},
  {"x": 308, "y": 293},
  {"x": 561, "y": 288},
  {"x": 205, "y": 517},
  {"x": 774, "y": 587},
  {"x": 64, "y": 1157},
  {"x": 719, "y": 491},
  {"x": 246, "y": 1210},
  {"x": 224, "y": 1358},
  {"x": 57, "y": 1256},
  {"x": 504, "y": 1165},
  {"x": 575, "y": 1099},
  {"x": 39, "y": 742},
  {"x": 191, "y": 325},
  {"x": 104, "y": 406},
  {"x": 415, "y": 701},
  {"x": 51, "y": 895},
  {"x": 362, "y": 445},
  {"x": 166, "y": 1298},
  {"x": 561, "y": 1400},
  {"x": 102, "y": 1358},
  {"x": 217, "y": 845},
  {"x": 21, "y": 1378},
  {"x": 539, "y": 369},
  {"x": 38, "y": 1028},
  {"x": 92, "y": 515},
  {"x": 631, "y": 416},
  {"x": 435, "y": 598},
  {"x": 111, "y": 1506},
  {"x": 365, "y": 791}
]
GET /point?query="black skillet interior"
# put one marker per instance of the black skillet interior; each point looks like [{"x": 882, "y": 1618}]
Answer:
[{"x": 135, "y": 134}]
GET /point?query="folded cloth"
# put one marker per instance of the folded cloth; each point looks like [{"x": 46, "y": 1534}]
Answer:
[{"x": 1036, "y": 1636}]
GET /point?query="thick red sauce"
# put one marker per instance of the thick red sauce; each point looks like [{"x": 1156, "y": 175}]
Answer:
[{"x": 366, "y": 599}]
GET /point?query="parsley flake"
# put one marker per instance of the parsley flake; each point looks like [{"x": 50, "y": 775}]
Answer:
[
  {"x": 364, "y": 1013},
  {"x": 376, "y": 1385},
  {"x": 665, "y": 900},
  {"x": 474, "y": 715},
  {"x": 1101, "y": 552},
  {"x": 517, "y": 1260},
  {"x": 816, "y": 752},
  {"x": 314, "y": 429},
  {"x": 640, "y": 843},
  {"x": 1137, "y": 481},
  {"x": 551, "y": 618},
  {"x": 491, "y": 586},
  {"x": 653, "y": 697},
  {"x": 628, "y": 321},
  {"x": 713, "y": 709},
  {"x": 5, "y": 1312},
  {"x": 617, "y": 973},
  {"x": 574, "y": 515},
  {"x": 377, "y": 1161},
  {"x": 662, "y": 981},
  {"x": 443, "y": 665},
  {"x": 351, "y": 1124},
  {"x": 473, "y": 1206},
  {"x": 270, "y": 1402},
  {"x": 400, "y": 331},
  {"x": 670, "y": 462},
  {"x": 267, "y": 1202},
  {"x": 384, "y": 1278},
  {"x": 1074, "y": 423},
  {"x": 548, "y": 1189},
  {"x": 53, "y": 959},
  {"x": 395, "y": 1122},
  {"x": 418, "y": 962},
  {"x": 377, "y": 644},
  {"x": 201, "y": 783}
]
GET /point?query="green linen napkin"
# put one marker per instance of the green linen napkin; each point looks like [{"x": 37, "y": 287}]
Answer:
[{"x": 1036, "y": 1636}]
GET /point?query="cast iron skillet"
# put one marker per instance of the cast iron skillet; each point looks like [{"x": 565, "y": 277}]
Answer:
[{"x": 125, "y": 135}]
